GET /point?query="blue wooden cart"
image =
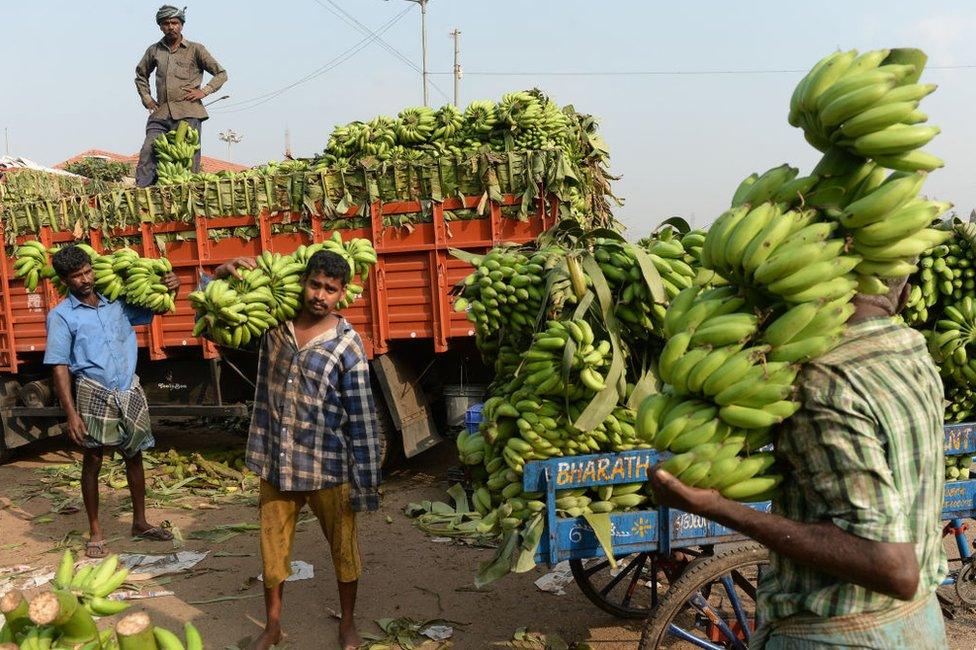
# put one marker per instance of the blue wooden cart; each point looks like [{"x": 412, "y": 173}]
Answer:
[{"x": 691, "y": 578}]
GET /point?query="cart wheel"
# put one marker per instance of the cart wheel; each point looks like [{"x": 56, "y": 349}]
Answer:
[
  {"x": 630, "y": 590},
  {"x": 713, "y": 603},
  {"x": 966, "y": 583}
]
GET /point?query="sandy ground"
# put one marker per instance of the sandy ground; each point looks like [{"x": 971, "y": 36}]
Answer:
[{"x": 406, "y": 574}]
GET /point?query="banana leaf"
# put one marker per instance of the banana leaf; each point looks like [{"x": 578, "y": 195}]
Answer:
[
  {"x": 606, "y": 400},
  {"x": 500, "y": 563},
  {"x": 600, "y": 523}
]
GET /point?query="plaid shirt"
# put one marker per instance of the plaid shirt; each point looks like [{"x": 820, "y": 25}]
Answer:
[
  {"x": 864, "y": 453},
  {"x": 313, "y": 423}
]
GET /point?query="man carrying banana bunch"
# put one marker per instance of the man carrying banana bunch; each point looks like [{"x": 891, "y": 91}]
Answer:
[
  {"x": 90, "y": 339},
  {"x": 313, "y": 438},
  {"x": 179, "y": 66},
  {"x": 855, "y": 542}
]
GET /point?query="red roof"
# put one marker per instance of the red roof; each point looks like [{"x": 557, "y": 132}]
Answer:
[{"x": 207, "y": 164}]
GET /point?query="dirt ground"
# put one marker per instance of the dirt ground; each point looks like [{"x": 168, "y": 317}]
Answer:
[{"x": 405, "y": 575}]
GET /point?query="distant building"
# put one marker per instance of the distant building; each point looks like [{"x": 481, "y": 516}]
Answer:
[{"x": 207, "y": 164}]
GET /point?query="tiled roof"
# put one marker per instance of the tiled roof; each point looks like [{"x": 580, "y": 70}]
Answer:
[{"x": 207, "y": 164}]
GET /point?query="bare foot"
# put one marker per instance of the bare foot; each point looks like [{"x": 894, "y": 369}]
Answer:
[
  {"x": 349, "y": 638},
  {"x": 267, "y": 639}
]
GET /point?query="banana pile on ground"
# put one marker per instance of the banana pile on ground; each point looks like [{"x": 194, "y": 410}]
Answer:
[
  {"x": 65, "y": 617},
  {"x": 174, "y": 154},
  {"x": 957, "y": 468},
  {"x": 237, "y": 311},
  {"x": 521, "y": 120}
]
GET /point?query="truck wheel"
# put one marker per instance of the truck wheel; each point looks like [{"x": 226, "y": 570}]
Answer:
[{"x": 390, "y": 445}]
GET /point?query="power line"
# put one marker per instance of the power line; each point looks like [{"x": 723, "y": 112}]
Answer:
[
  {"x": 254, "y": 102},
  {"x": 649, "y": 73},
  {"x": 356, "y": 24}
]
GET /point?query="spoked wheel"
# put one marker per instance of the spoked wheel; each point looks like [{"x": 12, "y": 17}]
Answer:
[
  {"x": 634, "y": 587},
  {"x": 713, "y": 604}
]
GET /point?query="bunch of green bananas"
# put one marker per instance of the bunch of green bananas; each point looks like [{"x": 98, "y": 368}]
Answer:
[
  {"x": 504, "y": 294},
  {"x": 111, "y": 271},
  {"x": 868, "y": 105},
  {"x": 93, "y": 583},
  {"x": 636, "y": 307},
  {"x": 64, "y": 616},
  {"x": 378, "y": 137},
  {"x": 957, "y": 468},
  {"x": 946, "y": 273},
  {"x": 719, "y": 466},
  {"x": 960, "y": 402},
  {"x": 953, "y": 341},
  {"x": 520, "y": 110},
  {"x": 174, "y": 154},
  {"x": 415, "y": 125},
  {"x": 144, "y": 285},
  {"x": 480, "y": 118},
  {"x": 280, "y": 276},
  {"x": 230, "y": 320},
  {"x": 30, "y": 264},
  {"x": 448, "y": 121}
]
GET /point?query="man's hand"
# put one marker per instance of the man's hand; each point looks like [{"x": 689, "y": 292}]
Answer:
[
  {"x": 151, "y": 105},
  {"x": 76, "y": 428},
  {"x": 671, "y": 492},
  {"x": 171, "y": 281},
  {"x": 193, "y": 95},
  {"x": 230, "y": 268}
]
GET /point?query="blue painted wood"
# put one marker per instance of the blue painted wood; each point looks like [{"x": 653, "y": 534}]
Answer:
[
  {"x": 960, "y": 439},
  {"x": 960, "y": 500},
  {"x": 665, "y": 529},
  {"x": 594, "y": 469}
]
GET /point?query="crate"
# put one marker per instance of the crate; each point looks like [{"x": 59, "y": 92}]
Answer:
[{"x": 472, "y": 418}]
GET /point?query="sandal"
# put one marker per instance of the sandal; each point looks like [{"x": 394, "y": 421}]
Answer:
[
  {"x": 156, "y": 534},
  {"x": 96, "y": 550}
]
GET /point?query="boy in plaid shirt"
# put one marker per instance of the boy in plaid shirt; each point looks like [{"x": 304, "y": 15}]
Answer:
[{"x": 313, "y": 438}]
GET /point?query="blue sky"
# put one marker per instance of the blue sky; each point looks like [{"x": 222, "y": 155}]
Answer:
[{"x": 681, "y": 142}]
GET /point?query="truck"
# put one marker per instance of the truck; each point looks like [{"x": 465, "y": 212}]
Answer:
[{"x": 414, "y": 215}]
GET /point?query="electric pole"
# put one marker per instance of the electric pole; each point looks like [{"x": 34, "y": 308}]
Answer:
[
  {"x": 456, "y": 34},
  {"x": 423, "y": 44},
  {"x": 231, "y": 137}
]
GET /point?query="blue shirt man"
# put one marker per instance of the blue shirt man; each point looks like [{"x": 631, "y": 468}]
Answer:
[
  {"x": 96, "y": 342},
  {"x": 90, "y": 339}
]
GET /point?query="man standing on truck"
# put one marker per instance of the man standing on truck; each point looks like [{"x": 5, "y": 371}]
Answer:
[
  {"x": 856, "y": 539},
  {"x": 91, "y": 339},
  {"x": 179, "y": 66},
  {"x": 313, "y": 438}
]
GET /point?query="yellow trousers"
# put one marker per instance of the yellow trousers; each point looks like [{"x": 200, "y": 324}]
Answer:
[{"x": 279, "y": 515}]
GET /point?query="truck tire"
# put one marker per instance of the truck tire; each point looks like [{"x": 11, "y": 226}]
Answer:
[{"x": 390, "y": 446}]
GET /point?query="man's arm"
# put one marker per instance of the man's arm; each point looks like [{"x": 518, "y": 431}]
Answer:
[
  {"x": 217, "y": 72},
  {"x": 357, "y": 400},
  {"x": 885, "y": 567},
  {"x": 143, "y": 69},
  {"x": 62, "y": 388}
]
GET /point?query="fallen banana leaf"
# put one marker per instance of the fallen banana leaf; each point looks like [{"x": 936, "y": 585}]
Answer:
[{"x": 500, "y": 564}]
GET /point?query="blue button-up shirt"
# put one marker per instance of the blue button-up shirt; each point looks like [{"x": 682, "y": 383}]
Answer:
[{"x": 96, "y": 342}]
